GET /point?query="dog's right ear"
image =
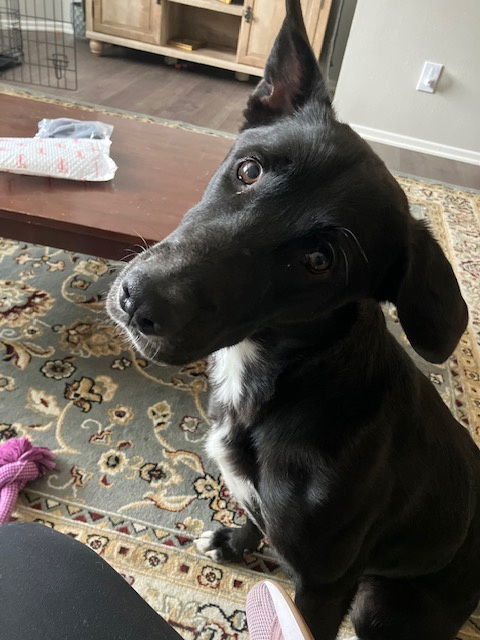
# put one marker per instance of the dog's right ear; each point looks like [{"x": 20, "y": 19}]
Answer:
[
  {"x": 430, "y": 306},
  {"x": 292, "y": 75}
]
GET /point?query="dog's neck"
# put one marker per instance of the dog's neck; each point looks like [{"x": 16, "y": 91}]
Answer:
[{"x": 244, "y": 377}]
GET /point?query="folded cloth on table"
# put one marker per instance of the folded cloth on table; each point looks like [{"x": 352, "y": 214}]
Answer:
[{"x": 70, "y": 158}]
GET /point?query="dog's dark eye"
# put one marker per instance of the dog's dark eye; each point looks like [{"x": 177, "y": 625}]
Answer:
[
  {"x": 249, "y": 171},
  {"x": 319, "y": 261}
]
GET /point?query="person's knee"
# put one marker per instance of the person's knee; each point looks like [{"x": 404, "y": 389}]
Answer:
[
  {"x": 32, "y": 535},
  {"x": 17, "y": 531}
]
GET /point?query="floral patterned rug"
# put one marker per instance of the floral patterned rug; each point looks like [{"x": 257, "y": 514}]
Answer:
[{"x": 132, "y": 480}]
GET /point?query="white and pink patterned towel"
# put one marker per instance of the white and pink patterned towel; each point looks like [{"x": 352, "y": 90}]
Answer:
[{"x": 70, "y": 158}]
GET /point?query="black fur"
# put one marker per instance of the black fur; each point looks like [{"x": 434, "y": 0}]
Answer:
[{"x": 367, "y": 486}]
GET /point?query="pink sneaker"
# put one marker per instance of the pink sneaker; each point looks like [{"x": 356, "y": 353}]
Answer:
[{"x": 272, "y": 615}]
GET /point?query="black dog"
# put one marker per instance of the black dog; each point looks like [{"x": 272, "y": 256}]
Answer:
[{"x": 339, "y": 448}]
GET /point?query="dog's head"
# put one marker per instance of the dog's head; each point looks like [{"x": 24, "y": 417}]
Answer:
[{"x": 300, "y": 219}]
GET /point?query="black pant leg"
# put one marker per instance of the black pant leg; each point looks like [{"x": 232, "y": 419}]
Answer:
[{"x": 54, "y": 587}]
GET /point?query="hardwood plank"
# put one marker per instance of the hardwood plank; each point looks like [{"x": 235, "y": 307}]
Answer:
[{"x": 141, "y": 82}]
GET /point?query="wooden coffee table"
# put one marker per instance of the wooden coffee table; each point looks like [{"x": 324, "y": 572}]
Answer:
[{"x": 163, "y": 169}]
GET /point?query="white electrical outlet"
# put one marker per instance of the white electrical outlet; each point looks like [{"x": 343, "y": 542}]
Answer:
[{"x": 429, "y": 77}]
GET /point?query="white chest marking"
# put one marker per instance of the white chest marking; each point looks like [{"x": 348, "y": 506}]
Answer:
[
  {"x": 217, "y": 448},
  {"x": 228, "y": 370},
  {"x": 227, "y": 378}
]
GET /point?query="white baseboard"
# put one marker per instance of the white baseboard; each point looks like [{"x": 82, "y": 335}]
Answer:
[
  {"x": 38, "y": 24},
  {"x": 31, "y": 24},
  {"x": 417, "y": 144}
]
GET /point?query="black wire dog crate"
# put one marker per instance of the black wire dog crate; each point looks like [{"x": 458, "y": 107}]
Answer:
[{"x": 37, "y": 43}]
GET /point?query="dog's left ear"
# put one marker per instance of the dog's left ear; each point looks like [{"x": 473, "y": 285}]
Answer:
[
  {"x": 292, "y": 75},
  {"x": 430, "y": 306}
]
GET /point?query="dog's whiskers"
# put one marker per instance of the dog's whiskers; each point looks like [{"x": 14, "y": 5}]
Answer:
[
  {"x": 145, "y": 243},
  {"x": 137, "y": 249},
  {"x": 345, "y": 258},
  {"x": 154, "y": 354},
  {"x": 145, "y": 247},
  {"x": 349, "y": 233},
  {"x": 141, "y": 249},
  {"x": 149, "y": 351},
  {"x": 130, "y": 255}
]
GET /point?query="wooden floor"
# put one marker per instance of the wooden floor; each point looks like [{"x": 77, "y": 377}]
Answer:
[{"x": 142, "y": 82}]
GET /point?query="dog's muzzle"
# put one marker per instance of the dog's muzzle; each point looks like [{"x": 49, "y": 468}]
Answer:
[
  {"x": 165, "y": 311},
  {"x": 153, "y": 304}
]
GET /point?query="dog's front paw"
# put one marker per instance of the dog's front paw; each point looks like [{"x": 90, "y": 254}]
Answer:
[{"x": 219, "y": 545}]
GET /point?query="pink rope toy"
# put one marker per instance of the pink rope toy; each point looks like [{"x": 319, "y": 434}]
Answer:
[{"x": 20, "y": 462}]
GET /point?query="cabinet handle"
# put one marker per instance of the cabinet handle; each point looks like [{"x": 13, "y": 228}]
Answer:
[{"x": 248, "y": 14}]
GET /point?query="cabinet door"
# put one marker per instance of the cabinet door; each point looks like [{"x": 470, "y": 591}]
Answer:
[
  {"x": 133, "y": 19},
  {"x": 262, "y": 20}
]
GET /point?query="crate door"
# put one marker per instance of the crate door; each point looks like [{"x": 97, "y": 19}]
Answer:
[
  {"x": 262, "y": 20},
  {"x": 139, "y": 20}
]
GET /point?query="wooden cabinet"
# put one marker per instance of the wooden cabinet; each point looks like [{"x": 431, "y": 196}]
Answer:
[
  {"x": 262, "y": 21},
  {"x": 235, "y": 36},
  {"x": 132, "y": 19}
]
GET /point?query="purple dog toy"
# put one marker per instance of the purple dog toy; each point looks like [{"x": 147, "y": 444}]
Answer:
[{"x": 20, "y": 462}]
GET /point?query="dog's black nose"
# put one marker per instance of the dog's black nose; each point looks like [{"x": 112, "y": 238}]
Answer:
[
  {"x": 126, "y": 302},
  {"x": 138, "y": 300}
]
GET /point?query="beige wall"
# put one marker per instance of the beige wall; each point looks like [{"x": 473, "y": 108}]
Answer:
[
  {"x": 388, "y": 44},
  {"x": 48, "y": 10}
]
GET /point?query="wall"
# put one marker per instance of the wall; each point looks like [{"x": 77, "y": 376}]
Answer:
[
  {"x": 388, "y": 44},
  {"x": 336, "y": 37},
  {"x": 38, "y": 14}
]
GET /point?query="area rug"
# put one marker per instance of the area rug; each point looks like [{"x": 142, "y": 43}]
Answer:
[{"x": 132, "y": 480}]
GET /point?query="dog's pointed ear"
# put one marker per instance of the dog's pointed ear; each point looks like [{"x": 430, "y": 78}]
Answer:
[
  {"x": 292, "y": 75},
  {"x": 429, "y": 303}
]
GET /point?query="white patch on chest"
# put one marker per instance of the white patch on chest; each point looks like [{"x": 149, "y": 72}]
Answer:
[
  {"x": 227, "y": 376},
  {"x": 228, "y": 370},
  {"x": 217, "y": 448}
]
